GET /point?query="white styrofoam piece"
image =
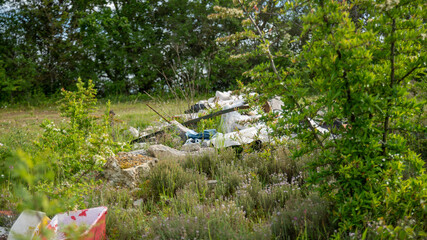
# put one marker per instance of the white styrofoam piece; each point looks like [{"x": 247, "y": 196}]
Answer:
[{"x": 26, "y": 225}]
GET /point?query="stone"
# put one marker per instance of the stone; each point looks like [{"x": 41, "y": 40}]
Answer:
[
  {"x": 4, "y": 232},
  {"x": 137, "y": 146},
  {"x": 138, "y": 152},
  {"x": 164, "y": 152},
  {"x": 191, "y": 147},
  {"x": 138, "y": 202},
  {"x": 212, "y": 182},
  {"x": 129, "y": 177}
]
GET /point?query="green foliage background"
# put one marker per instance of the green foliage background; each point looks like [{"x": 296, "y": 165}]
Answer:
[{"x": 126, "y": 47}]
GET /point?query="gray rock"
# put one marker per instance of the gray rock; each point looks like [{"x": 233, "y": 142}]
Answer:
[
  {"x": 204, "y": 144},
  {"x": 138, "y": 202},
  {"x": 162, "y": 152},
  {"x": 4, "y": 232},
  {"x": 138, "y": 152},
  {"x": 137, "y": 146},
  {"x": 129, "y": 177},
  {"x": 212, "y": 182},
  {"x": 191, "y": 147}
]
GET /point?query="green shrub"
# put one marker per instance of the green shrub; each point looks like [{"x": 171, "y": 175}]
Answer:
[
  {"x": 84, "y": 143},
  {"x": 306, "y": 218},
  {"x": 260, "y": 200},
  {"x": 168, "y": 176},
  {"x": 206, "y": 163},
  {"x": 268, "y": 163},
  {"x": 229, "y": 177},
  {"x": 405, "y": 228},
  {"x": 211, "y": 123},
  {"x": 221, "y": 221},
  {"x": 187, "y": 198}
]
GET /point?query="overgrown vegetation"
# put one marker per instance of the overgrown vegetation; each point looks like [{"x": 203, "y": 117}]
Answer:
[{"x": 360, "y": 58}]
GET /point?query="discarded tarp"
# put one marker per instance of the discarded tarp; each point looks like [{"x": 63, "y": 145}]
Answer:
[
  {"x": 245, "y": 136},
  {"x": 206, "y": 134},
  {"x": 93, "y": 219}
]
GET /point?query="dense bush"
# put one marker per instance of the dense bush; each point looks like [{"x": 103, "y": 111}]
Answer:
[
  {"x": 84, "y": 142},
  {"x": 221, "y": 221},
  {"x": 359, "y": 59},
  {"x": 303, "y": 217},
  {"x": 167, "y": 177}
]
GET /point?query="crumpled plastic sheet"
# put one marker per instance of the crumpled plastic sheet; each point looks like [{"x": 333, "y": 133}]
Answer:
[{"x": 245, "y": 136}]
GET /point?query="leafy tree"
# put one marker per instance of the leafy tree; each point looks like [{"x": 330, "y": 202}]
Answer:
[
  {"x": 359, "y": 57},
  {"x": 125, "y": 46}
]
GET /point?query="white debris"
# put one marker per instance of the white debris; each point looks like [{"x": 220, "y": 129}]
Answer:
[
  {"x": 134, "y": 132},
  {"x": 319, "y": 128},
  {"x": 245, "y": 136},
  {"x": 223, "y": 96},
  {"x": 276, "y": 104}
]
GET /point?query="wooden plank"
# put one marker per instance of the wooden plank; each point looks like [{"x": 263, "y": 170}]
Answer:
[{"x": 196, "y": 120}]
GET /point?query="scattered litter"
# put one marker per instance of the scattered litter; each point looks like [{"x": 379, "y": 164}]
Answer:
[
  {"x": 206, "y": 134},
  {"x": 28, "y": 225},
  {"x": 237, "y": 128},
  {"x": 196, "y": 108},
  {"x": 137, "y": 146},
  {"x": 134, "y": 132},
  {"x": 193, "y": 140},
  {"x": 223, "y": 96},
  {"x": 93, "y": 219},
  {"x": 245, "y": 136}
]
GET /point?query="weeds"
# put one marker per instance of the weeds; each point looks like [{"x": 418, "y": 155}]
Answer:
[{"x": 252, "y": 194}]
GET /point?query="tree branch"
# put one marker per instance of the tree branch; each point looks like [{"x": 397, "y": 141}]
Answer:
[
  {"x": 408, "y": 73},
  {"x": 392, "y": 81},
  {"x": 276, "y": 73}
]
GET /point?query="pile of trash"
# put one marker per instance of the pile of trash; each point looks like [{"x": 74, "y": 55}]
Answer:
[{"x": 236, "y": 128}]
